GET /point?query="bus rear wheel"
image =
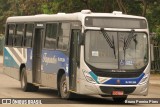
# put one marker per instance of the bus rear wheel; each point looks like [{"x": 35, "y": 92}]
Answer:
[
  {"x": 24, "y": 84},
  {"x": 64, "y": 93},
  {"x": 119, "y": 99}
]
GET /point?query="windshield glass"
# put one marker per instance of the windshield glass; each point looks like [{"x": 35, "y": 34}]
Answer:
[{"x": 129, "y": 52}]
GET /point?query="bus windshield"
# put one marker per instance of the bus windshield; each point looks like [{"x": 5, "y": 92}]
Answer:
[{"x": 129, "y": 52}]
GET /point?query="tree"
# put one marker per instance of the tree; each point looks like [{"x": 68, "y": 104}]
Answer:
[
  {"x": 121, "y": 6},
  {"x": 147, "y": 8}
]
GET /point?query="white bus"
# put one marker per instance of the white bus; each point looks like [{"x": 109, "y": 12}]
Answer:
[{"x": 105, "y": 54}]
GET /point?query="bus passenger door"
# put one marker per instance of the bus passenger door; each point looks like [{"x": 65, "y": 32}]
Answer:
[
  {"x": 37, "y": 51},
  {"x": 73, "y": 59}
]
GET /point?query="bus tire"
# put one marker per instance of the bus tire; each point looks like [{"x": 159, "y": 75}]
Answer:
[
  {"x": 119, "y": 99},
  {"x": 63, "y": 88},
  {"x": 27, "y": 87}
]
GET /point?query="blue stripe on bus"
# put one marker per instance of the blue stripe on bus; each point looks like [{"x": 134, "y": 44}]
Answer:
[
  {"x": 125, "y": 81},
  {"x": 52, "y": 61},
  {"x": 94, "y": 76},
  {"x": 8, "y": 60}
]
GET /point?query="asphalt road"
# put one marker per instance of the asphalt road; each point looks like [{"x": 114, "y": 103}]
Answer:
[{"x": 10, "y": 88}]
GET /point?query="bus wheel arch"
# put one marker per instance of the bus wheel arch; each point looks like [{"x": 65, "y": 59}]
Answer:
[{"x": 25, "y": 86}]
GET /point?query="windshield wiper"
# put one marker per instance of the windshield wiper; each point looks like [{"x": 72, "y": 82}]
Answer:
[
  {"x": 128, "y": 41},
  {"x": 109, "y": 41}
]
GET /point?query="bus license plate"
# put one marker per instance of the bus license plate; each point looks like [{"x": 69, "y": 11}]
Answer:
[{"x": 117, "y": 93}]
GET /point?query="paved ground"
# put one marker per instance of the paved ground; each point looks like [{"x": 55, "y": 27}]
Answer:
[
  {"x": 1, "y": 59},
  {"x": 10, "y": 88},
  {"x": 1, "y": 62},
  {"x": 155, "y": 79}
]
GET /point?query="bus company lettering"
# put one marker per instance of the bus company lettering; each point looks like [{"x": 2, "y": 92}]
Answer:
[
  {"x": 47, "y": 60},
  {"x": 61, "y": 59},
  {"x": 52, "y": 60}
]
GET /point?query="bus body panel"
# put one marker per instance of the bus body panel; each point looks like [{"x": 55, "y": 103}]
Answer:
[
  {"x": 52, "y": 62},
  {"x": 13, "y": 58}
]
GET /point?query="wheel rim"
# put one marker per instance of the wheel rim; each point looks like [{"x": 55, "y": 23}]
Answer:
[
  {"x": 64, "y": 89},
  {"x": 23, "y": 82}
]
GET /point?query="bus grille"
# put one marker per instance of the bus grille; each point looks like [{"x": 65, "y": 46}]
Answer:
[{"x": 109, "y": 90}]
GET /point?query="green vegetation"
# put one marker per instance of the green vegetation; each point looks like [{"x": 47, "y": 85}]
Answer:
[{"x": 147, "y": 8}]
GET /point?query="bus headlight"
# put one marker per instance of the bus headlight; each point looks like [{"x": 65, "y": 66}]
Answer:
[
  {"x": 144, "y": 79},
  {"x": 89, "y": 77}
]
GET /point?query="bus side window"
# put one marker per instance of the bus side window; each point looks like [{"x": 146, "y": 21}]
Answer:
[
  {"x": 18, "y": 39},
  {"x": 51, "y": 33},
  {"x": 10, "y": 34},
  {"x": 63, "y": 36},
  {"x": 28, "y": 35}
]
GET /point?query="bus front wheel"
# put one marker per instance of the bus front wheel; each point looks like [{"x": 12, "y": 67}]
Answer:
[
  {"x": 24, "y": 84},
  {"x": 64, "y": 93}
]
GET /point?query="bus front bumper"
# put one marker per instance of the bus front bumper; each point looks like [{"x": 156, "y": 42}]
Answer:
[
  {"x": 104, "y": 89},
  {"x": 126, "y": 89}
]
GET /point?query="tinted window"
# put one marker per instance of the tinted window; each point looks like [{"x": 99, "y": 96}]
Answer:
[
  {"x": 18, "y": 39},
  {"x": 10, "y": 34},
  {"x": 51, "y": 32},
  {"x": 63, "y": 36},
  {"x": 28, "y": 35}
]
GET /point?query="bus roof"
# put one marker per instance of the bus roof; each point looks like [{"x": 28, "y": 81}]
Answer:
[{"x": 67, "y": 17}]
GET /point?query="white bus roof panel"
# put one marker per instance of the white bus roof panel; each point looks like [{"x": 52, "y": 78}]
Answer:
[{"x": 69, "y": 16}]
